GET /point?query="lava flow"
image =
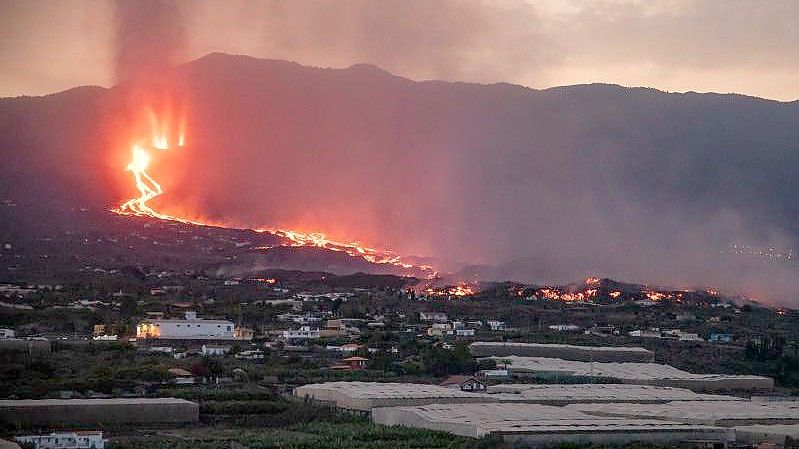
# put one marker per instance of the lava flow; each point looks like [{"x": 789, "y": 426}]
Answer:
[{"x": 149, "y": 188}]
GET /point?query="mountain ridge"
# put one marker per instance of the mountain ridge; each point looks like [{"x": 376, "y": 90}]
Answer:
[
  {"x": 377, "y": 69},
  {"x": 560, "y": 181}
]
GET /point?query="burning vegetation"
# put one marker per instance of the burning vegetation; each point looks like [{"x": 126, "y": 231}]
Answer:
[
  {"x": 459, "y": 290},
  {"x": 596, "y": 290}
]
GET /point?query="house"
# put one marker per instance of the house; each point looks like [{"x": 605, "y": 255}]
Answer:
[
  {"x": 497, "y": 326},
  {"x": 188, "y": 328},
  {"x": 6, "y": 333},
  {"x": 465, "y": 383},
  {"x": 105, "y": 337},
  {"x": 65, "y": 440},
  {"x": 342, "y": 327},
  {"x": 439, "y": 317},
  {"x": 440, "y": 329},
  {"x": 608, "y": 329},
  {"x": 303, "y": 333},
  {"x": 464, "y": 332},
  {"x": 162, "y": 349},
  {"x": 250, "y": 354},
  {"x": 182, "y": 376},
  {"x": 211, "y": 350},
  {"x": 638, "y": 333},
  {"x": 564, "y": 327},
  {"x": 351, "y": 363},
  {"x": 349, "y": 347},
  {"x": 720, "y": 338},
  {"x": 306, "y": 319},
  {"x": 682, "y": 336}
]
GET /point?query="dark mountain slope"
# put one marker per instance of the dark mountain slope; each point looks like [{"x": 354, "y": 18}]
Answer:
[{"x": 596, "y": 179}]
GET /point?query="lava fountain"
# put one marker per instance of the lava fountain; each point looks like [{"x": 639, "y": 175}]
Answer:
[{"x": 161, "y": 130}]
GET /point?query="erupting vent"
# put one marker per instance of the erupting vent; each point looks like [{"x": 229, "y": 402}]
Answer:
[{"x": 162, "y": 130}]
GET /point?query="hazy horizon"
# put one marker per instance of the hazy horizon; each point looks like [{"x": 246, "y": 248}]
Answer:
[{"x": 675, "y": 46}]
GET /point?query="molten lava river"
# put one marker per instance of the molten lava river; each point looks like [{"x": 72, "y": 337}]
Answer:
[{"x": 167, "y": 134}]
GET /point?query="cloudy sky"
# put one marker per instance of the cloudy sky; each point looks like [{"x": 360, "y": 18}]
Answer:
[{"x": 743, "y": 46}]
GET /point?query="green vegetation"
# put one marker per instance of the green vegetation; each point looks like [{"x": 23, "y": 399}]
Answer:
[{"x": 318, "y": 435}]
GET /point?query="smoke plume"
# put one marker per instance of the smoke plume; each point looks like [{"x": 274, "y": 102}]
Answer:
[{"x": 150, "y": 37}]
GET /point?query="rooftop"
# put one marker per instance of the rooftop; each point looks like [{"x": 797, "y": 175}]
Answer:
[
  {"x": 479, "y": 344},
  {"x": 385, "y": 390},
  {"x": 183, "y": 321},
  {"x": 709, "y": 412},
  {"x": 483, "y": 419},
  {"x": 562, "y": 351},
  {"x": 561, "y": 394},
  {"x": 619, "y": 370},
  {"x": 86, "y": 402}
]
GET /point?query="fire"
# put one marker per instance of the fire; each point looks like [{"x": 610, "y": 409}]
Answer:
[
  {"x": 557, "y": 295},
  {"x": 161, "y": 130},
  {"x": 657, "y": 296},
  {"x": 460, "y": 290}
]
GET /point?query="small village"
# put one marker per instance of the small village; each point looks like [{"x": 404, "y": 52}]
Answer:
[{"x": 236, "y": 351}]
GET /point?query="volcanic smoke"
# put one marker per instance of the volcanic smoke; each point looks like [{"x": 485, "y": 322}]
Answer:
[{"x": 161, "y": 139}]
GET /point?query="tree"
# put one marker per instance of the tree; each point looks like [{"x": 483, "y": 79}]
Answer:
[{"x": 442, "y": 362}]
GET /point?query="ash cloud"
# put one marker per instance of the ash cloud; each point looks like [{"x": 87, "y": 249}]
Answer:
[
  {"x": 536, "y": 186},
  {"x": 150, "y": 37}
]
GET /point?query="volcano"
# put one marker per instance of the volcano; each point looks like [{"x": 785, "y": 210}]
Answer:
[{"x": 513, "y": 183}]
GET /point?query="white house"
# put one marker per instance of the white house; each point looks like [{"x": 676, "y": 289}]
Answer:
[
  {"x": 210, "y": 350},
  {"x": 464, "y": 332},
  {"x": 439, "y": 329},
  {"x": 162, "y": 349},
  {"x": 303, "y": 333},
  {"x": 433, "y": 316},
  {"x": 6, "y": 333},
  {"x": 306, "y": 319},
  {"x": 564, "y": 327},
  {"x": 188, "y": 328},
  {"x": 495, "y": 325},
  {"x": 65, "y": 440},
  {"x": 251, "y": 354},
  {"x": 682, "y": 336}
]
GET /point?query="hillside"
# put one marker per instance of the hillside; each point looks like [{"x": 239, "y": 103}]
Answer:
[{"x": 537, "y": 186}]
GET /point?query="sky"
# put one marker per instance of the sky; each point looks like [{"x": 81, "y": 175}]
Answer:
[{"x": 742, "y": 46}]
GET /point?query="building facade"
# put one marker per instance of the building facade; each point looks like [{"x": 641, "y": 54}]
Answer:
[
  {"x": 190, "y": 327},
  {"x": 65, "y": 440}
]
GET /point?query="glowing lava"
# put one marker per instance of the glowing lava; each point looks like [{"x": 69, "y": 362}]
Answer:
[
  {"x": 149, "y": 188},
  {"x": 461, "y": 289}
]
